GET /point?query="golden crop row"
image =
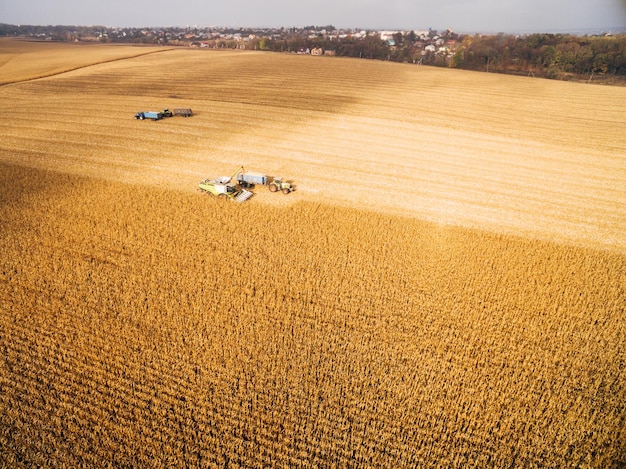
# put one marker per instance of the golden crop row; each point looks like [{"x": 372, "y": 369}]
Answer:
[{"x": 147, "y": 327}]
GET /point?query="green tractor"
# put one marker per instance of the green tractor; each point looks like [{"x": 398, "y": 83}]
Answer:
[{"x": 278, "y": 184}]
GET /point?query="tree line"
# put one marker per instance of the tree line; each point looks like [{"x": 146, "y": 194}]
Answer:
[
  {"x": 548, "y": 55},
  {"x": 556, "y": 56}
]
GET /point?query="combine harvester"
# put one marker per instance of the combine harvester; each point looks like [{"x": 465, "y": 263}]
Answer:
[{"x": 223, "y": 188}]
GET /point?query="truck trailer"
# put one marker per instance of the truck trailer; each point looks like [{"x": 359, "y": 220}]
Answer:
[
  {"x": 247, "y": 179},
  {"x": 149, "y": 115}
]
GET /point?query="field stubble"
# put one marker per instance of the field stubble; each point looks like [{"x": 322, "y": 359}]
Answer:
[{"x": 143, "y": 324}]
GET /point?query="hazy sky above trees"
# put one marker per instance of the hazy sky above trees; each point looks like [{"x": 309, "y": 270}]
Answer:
[{"x": 507, "y": 16}]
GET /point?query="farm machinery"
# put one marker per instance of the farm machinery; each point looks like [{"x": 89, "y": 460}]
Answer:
[
  {"x": 224, "y": 187},
  {"x": 154, "y": 115},
  {"x": 275, "y": 184},
  {"x": 158, "y": 115},
  {"x": 278, "y": 184},
  {"x": 184, "y": 112}
]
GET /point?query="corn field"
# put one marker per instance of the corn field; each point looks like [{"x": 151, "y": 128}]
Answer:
[{"x": 143, "y": 324}]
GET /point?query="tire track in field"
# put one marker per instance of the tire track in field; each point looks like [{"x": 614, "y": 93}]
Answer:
[{"x": 81, "y": 67}]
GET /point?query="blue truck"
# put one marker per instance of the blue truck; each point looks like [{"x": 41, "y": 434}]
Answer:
[
  {"x": 149, "y": 115},
  {"x": 153, "y": 115}
]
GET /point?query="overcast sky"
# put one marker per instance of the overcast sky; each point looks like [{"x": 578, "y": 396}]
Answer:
[{"x": 509, "y": 16}]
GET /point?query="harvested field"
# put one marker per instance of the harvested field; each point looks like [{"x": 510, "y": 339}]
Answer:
[
  {"x": 446, "y": 287},
  {"x": 513, "y": 155},
  {"x": 22, "y": 60}
]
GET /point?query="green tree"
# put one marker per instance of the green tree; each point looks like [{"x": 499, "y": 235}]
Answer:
[
  {"x": 548, "y": 56},
  {"x": 601, "y": 63}
]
